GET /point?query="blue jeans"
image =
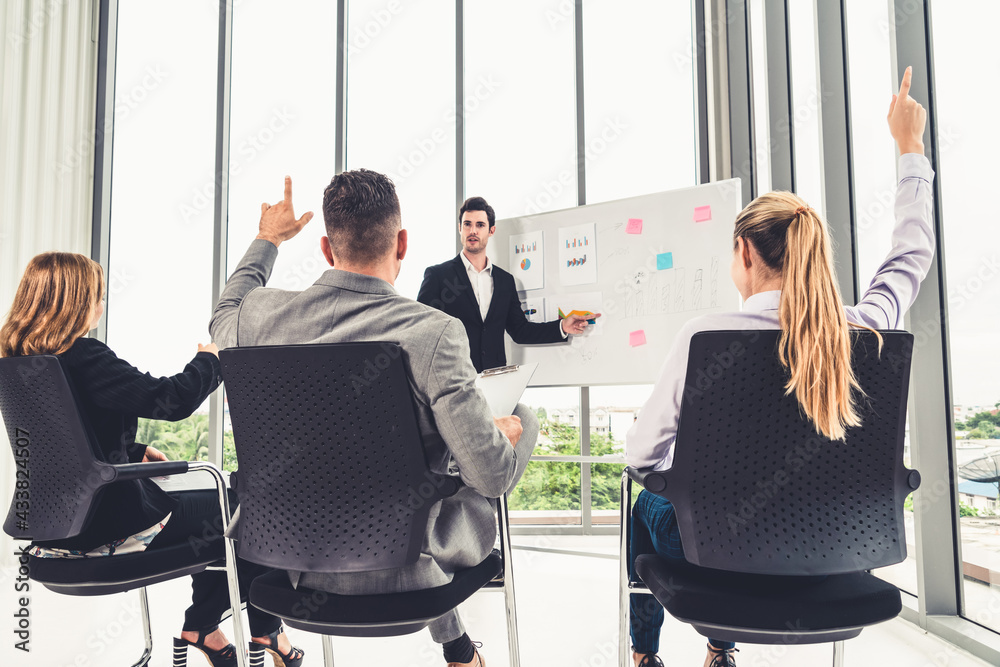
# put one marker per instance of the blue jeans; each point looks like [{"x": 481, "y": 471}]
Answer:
[{"x": 654, "y": 530}]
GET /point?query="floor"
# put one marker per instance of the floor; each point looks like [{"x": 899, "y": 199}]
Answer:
[{"x": 566, "y": 613}]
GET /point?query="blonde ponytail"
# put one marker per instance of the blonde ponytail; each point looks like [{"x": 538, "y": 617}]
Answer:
[{"x": 815, "y": 343}]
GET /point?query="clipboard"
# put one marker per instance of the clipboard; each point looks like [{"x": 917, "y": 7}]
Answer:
[{"x": 504, "y": 386}]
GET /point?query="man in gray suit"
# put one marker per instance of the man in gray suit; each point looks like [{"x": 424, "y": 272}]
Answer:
[{"x": 356, "y": 302}]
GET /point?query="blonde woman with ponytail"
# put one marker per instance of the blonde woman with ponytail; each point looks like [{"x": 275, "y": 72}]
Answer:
[{"x": 783, "y": 268}]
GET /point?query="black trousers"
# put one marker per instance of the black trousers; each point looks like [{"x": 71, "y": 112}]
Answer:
[{"x": 197, "y": 521}]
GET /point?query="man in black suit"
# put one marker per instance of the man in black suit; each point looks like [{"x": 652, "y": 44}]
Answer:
[{"x": 483, "y": 296}]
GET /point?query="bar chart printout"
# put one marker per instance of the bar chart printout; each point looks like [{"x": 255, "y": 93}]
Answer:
[{"x": 578, "y": 254}]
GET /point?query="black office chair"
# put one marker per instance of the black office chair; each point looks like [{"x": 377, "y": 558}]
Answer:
[
  {"x": 333, "y": 478},
  {"x": 786, "y": 523},
  {"x": 56, "y": 457}
]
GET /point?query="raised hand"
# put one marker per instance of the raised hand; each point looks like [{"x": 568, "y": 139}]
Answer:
[
  {"x": 278, "y": 223},
  {"x": 907, "y": 118}
]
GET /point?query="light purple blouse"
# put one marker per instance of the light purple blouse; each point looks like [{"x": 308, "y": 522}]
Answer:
[{"x": 650, "y": 441}]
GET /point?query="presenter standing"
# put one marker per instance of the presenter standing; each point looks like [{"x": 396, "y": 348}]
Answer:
[{"x": 484, "y": 297}]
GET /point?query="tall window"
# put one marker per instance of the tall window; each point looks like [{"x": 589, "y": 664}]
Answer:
[
  {"x": 404, "y": 125},
  {"x": 639, "y": 91},
  {"x": 160, "y": 265},
  {"x": 872, "y": 84},
  {"x": 520, "y": 105},
  {"x": 971, "y": 237}
]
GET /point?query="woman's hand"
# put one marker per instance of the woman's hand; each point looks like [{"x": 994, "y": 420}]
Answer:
[
  {"x": 211, "y": 348},
  {"x": 907, "y": 118},
  {"x": 153, "y": 454}
]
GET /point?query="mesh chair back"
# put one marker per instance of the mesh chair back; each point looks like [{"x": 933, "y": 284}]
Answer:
[
  {"x": 58, "y": 479},
  {"x": 333, "y": 476},
  {"x": 758, "y": 490}
]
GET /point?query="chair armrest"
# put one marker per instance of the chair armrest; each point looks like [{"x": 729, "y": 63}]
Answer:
[
  {"x": 127, "y": 471},
  {"x": 448, "y": 485},
  {"x": 654, "y": 481}
]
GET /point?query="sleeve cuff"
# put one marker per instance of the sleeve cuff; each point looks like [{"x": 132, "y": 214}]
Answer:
[{"x": 915, "y": 165}]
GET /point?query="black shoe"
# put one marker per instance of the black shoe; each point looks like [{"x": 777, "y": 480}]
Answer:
[
  {"x": 291, "y": 659},
  {"x": 224, "y": 657},
  {"x": 723, "y": 657},
  {"x": 651, "y": 660}
]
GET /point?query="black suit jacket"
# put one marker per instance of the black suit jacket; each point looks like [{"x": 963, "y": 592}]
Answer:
[
  {"x": 446, "y": 287},
  {"x": 112, "y": 394}
]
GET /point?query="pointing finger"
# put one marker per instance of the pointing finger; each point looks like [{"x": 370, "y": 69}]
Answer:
[
  {"x": 288, "y": 189},
  {"x": 904, "y": 86}
]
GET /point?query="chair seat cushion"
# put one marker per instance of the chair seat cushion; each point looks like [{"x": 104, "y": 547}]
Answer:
[
  {"x": 116, "y": 574},
  {"x": 374, "y": 615},
  {"x": 793, "y": 605}
]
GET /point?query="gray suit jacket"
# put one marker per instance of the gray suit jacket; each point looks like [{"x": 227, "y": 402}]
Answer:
[{"x": 454, "y": 419}]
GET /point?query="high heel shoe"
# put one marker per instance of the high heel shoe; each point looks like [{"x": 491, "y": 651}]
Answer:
[
  {"x": 224, "y": 657},
  {"x": 291, "y": 659}
]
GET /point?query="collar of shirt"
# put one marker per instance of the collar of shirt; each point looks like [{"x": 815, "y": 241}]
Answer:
[
  {"x": 762, "y": 301},
  {"x": 471, "y": 269}
]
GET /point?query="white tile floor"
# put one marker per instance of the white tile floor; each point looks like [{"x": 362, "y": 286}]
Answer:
[{"x": 567, "y": 617}]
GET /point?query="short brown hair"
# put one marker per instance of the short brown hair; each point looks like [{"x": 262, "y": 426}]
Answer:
[
  {"x": 361, "y": 211},
  {"x": 52, "y": 305}
]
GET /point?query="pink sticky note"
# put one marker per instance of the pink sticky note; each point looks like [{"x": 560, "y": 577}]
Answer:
[
  {"x": 702, "y": 213},
  {"x": 634, "y": 226},
  {"x": 637, "y": 338}
]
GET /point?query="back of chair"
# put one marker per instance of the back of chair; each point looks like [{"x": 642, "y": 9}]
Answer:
[
  {"x": 758, "y": 490},
  {"x": 57, "y": 477},
  {"x": 333, "y": 476}
]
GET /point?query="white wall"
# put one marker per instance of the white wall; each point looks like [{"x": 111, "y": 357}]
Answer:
[{"x": 47, "y": 105}]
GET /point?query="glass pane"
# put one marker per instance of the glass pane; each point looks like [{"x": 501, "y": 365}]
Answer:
[
  {"x": 613, "y": 410},
  {"x": 520, "y": 104},
  {"x": 871, "y": 87},
  {"x": 160, "y": 266},
  {"x": 806, "y": 100},
  {"x": 404, "y": 125},
  {"x": 971, "y": 239},
  {"x": 761, "y": 129},
  {"x": 639, "y": 88},
  {"x": 549, "y": 492},
  {"x": 282, "y": 122}
]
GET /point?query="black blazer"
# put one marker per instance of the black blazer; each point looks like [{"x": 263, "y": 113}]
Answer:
[
  {"x": 112, "y": 394},
  {"x": 446, "y": 287}
]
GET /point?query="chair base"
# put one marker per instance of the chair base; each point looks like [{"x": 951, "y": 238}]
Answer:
[
  {"x": 379, "y": 615},
  {"x": 745, "y": 636},
  {"x": 762, "y": 609},
  {"x": 117, "y": 574}
]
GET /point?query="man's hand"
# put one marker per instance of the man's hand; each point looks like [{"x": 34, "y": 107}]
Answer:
[
  {"x": 153, "y": 454},
  {"x": 510, "y": 427},
  {"x": 211, "y": 348},
  {"x": 907, "y": 118},
  {"x": 278, "y": 223},
  {"x": 574, "y": 324}
]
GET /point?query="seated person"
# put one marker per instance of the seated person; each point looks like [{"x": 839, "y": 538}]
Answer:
[
  {"x": 61, "y": 298},
  {"x": 355, "y": 302},
  {"x": 783, "y": 268}
]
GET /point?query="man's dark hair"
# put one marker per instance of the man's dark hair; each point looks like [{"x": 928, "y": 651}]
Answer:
[
  {"x": 361, "y": 211},
  {"x": 478, "y": 204}
]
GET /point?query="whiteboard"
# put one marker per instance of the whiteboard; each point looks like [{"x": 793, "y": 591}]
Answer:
[{"x": 642, "y": 293}]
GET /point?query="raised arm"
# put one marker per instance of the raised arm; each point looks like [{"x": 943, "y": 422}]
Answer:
[
  {"x": 894, "y": 287},
  {"x": 277, "y": 225}
]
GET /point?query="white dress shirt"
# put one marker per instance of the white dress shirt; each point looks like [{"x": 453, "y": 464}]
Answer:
[
  {"x": 482, "y": 284},
  {"x": 650, "y": 441},
  {"x": 482, "y": 287}
]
